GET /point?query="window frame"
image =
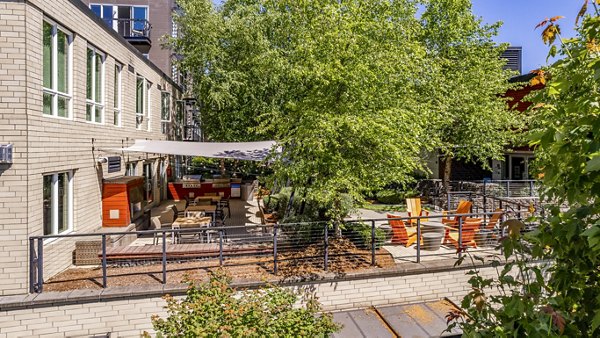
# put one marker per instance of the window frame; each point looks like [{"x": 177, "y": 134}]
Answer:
[
  {"x": 118, "y": 92},
  {"x": 149, "y": 105},
  {"x": 54, "y": 204},
  {"x": 141, "y": 114},
  {"x": 92, "y": 102},
  {"x": 54, "y": 92},
  {"x": 165, "y": 122}
]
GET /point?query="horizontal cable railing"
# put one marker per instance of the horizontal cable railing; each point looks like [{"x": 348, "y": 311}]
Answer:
[{"x": 287, "y": 250}]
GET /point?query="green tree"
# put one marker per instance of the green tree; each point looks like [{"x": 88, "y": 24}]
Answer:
[
  {"x": 214, "y": 309},
  {"x": 355, "y": 92},
  {"x": 565, "y": 128},
  {"x": 472, "y": 122}
]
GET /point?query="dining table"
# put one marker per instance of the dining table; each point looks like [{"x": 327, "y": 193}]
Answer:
[
  {"x": 189, "y": 223},
  {"x": 207, "y": 209}
]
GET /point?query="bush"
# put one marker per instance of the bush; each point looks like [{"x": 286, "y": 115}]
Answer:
[
  {"x": 214, "y": 309},
  {"x": 360, "y": 235},
  {"x": 389, "y": 196}
]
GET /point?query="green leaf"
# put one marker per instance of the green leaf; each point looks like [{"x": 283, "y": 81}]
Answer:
[{"x": 593, "y": 164}]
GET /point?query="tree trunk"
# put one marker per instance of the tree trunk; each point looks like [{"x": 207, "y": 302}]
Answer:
[{"x": 447, "y": 173}]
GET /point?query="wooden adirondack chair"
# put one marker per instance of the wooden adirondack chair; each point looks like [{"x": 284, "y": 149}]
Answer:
[
  {"x": 464, "y": 207},
  {"x": 492, "y": 222},
  {"x": 413, "y": 206},
  {"x": 400, "y": 234},
  {"x": 469, "y": 228}
]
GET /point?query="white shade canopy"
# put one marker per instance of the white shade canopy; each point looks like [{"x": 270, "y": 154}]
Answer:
[{"x": 252, "y": 151}]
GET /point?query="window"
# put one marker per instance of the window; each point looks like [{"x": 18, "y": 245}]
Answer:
[
  {"x": 178, "y": 119},
  {"x": 149, "y": 104},
  {"x": 117, "y": 96},
  {"x": 130, "y": 169},
  {"x": 56, "y": 70},
  {"x": 58, "y": 203},
  {"x": 140, "y": 102},
  {"x": 95, "y": 86},
  {"x": 149, "y": 182},
  {"x": 106, "y": 12},
  {"x": 165, "y": 112}
]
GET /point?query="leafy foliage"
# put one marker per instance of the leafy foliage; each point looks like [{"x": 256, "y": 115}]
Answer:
[
  {"x": 360, "y": 234},
  {"x": 355, "y": 92},
  {"x": 214, "y": 309},
  {"x": 565, "y": 128}
]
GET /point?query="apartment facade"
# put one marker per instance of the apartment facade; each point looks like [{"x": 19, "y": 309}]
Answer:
[
  {"x": 143, "y": 23},
  {"x": 72, "y": 90}
]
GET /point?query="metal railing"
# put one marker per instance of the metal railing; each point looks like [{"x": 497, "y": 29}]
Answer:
[
  {"x": 132, "y": 28},
  {"x": 283, "y": 247}
]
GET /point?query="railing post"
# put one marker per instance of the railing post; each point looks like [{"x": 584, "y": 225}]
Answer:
[
  {"x": 419, "y": 240},
  {"x": 275, "y": 249},
  {"x": 104, "y": 277},
  {"x": 221, "y": 247},
  {"x": 325, "y": 249},
  {"x": 508, "y": 188},
  {"x": 519, "y": 211},
  {"x": 373, "y": 242},
  {"x": 164, "y": 257},
  {"x": 32, "y": 261},
  {"x": 40, "y": 266},
  {"x": 448, "y": 207},
  {"x": 460, "y": 244},
  {"x": 530, "y": 188}
]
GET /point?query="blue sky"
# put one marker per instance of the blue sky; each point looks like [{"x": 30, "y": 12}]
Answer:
[{"x": 520, "y": 18}]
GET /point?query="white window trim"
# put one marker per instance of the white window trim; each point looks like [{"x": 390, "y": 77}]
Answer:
[
  {"x": 144, "y": 102},
  {"x": 54, "y": 76},
  {"x": 164, "y": 122},
  {"x": 119, "y": 99},
  {"x": 92, "y": 101},
  {"x": 149, "y": 105},
  {"x": 54, "y": 203}
]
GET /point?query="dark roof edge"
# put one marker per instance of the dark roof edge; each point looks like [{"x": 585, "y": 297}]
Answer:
[{"x": 87, "y": 11}]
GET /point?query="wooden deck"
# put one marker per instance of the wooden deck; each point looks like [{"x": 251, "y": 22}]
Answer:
[{"x": 198, "y": 250}]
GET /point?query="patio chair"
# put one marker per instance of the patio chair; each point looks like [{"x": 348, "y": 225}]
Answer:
[
  {"x": 492, "y": 222},
  {"x": 413, "y": 206},
  {"x": 157, "y": 226},
  {"x": 400, "y": 234},
  {"x": 464, "y": 207},
  {"x": 469, "y": 228},
  {"x": 224, "y": 203}
]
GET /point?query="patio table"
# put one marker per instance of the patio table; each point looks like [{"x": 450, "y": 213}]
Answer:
[
  {"x": 190, "y": 223},
  {"x": 208, "y": 209},
  {"x": 431, "y": 226},
  {"x": 214, "y": 199}
]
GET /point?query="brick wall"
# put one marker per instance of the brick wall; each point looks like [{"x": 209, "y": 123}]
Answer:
[
  {"x": 13, "y": 129},
  {"x": 130, "y": 317},
  {"x": 45, "y": 144}
]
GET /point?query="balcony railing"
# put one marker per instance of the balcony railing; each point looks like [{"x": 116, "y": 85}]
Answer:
[{"x": 133, "y": 28}]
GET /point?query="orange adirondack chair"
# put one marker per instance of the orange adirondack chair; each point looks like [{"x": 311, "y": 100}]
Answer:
[
  {"x": 469, "y": 228},
  {"x": 413, "y": 206},
  {"x": 464, "y": 207},
  {"x": 400, "y": 234},
  {"x": 491, "y": 224}
]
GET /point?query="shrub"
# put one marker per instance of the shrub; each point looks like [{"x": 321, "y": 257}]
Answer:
[
  {"x": 360, "y": 235},
  {"x": 390, "y": 196},
  {"x": 214, "y": 309}
]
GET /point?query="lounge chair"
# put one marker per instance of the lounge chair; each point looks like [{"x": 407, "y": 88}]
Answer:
[
  {"x": 413, "y": 206},
  {"x": 400, "y": 234},
  {"x": 469, "y": 228},
  {"x": 464, "y": 207}
]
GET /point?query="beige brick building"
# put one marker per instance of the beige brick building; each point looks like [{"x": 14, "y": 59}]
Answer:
[{"x": 70, "y": 89}]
